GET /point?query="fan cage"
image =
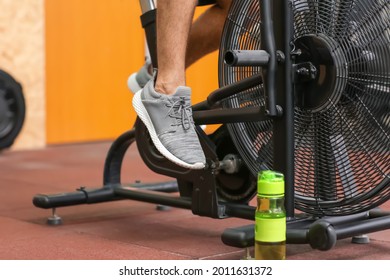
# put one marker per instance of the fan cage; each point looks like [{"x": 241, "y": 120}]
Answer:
[{"x": 342, "y": 147}]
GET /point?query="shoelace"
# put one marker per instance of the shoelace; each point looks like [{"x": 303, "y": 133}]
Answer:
[{"x": 179, "y": 110}]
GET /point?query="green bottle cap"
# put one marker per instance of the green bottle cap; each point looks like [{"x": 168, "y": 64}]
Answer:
[{"x": 270, "y": 183}]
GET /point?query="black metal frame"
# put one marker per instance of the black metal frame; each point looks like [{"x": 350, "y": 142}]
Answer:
[{"x": 198, "y": 188}]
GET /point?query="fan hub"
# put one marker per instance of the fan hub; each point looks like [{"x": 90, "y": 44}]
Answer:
[{"x": 321, "y": 66}]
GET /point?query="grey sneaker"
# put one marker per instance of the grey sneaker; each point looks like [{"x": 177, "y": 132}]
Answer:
[
  {"x": 138, "y": 80},
  {"x": 170, "y": 125}
]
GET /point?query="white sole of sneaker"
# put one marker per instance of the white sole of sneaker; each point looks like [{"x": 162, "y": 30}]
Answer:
[
  {"x": 144, "y": 116},
  {"x": 132, "y": 83}
]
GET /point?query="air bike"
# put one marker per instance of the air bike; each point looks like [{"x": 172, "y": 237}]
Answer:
[{"x": 304, "y": 89}]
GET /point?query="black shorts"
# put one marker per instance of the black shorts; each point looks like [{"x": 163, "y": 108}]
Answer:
[{"x": 205, "y": 2}]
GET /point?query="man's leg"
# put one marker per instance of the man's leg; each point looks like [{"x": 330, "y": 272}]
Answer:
[
  {"x": 204, "y": 37},
  {"x": 206, "y": 31},
  {"x": 164, "y": 106},
  {"x": 174, "y": 18}
]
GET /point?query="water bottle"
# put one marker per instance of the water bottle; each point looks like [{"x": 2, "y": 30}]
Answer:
[{"x": 270, "y": 220}]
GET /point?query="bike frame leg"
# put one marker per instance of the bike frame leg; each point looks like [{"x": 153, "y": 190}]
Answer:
[
  {"x": 148, "y": 20},
  {"x": 276, "y": 38}
]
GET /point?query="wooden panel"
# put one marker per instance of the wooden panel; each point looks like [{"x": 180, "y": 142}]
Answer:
[{"x": 91, "y": 48}]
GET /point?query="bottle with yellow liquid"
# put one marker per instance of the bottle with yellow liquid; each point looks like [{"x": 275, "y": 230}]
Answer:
[{"x": 270, "y": 220}]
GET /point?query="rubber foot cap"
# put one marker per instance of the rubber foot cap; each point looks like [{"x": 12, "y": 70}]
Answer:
[
  {"x": 361, "y": 239},
  {"x": 54, "y": 221}
]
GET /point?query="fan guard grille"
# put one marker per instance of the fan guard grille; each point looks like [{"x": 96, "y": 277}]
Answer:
[{"x": 342, "y": 147}]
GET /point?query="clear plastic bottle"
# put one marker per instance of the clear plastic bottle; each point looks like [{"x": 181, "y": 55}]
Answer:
[{"x": 270, "y": 220}]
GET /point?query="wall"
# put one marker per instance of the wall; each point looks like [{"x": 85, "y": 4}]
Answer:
[{"x": 22, "y": 55}]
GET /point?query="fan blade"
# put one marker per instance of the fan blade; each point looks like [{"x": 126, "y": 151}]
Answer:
[
  {"x": 343, "y": 164},
  {"x": 370, "y": 23},
  {"x": 368, "y": 145}
]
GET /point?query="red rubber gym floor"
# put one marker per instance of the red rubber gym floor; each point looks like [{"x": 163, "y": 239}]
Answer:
[{"x": 123, "y": 229}]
